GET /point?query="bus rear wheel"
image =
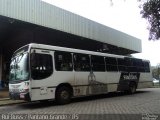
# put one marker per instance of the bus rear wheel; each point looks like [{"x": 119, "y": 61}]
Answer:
[
  {"x": 63, "y": 95},
  {"x": 132, "y": 88}
]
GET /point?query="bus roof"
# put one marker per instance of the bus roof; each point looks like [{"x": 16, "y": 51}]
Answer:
[
  {"x": 50, "y": 47},
  {"x": 58, "y": 48}
]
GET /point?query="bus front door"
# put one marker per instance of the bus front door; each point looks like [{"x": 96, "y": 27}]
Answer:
[{"x": 41, "y": 62}]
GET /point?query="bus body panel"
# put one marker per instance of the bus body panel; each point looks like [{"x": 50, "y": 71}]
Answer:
[
  {"x": 81, "y": 83},
  {"x": 98, "y": 84},
  {"x": 42, "y": 93},
  {"x": 112, "y": 80},
  {"x": 145, "y": 80},
  {"x": 63, "y": 77}
]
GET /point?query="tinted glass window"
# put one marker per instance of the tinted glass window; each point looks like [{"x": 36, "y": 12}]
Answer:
[
  {"x": 121, "y": 64},
  {"x": 81, "y": 62},
  {"x": 41, "y": 66},
  {"x": 111, "y": 64},
  {"x": 135, "y": 65},
  {"x": 98, "y": 63},
  {"x": 129, "y": 65},
  {"x": 146, "y": 67},
  {"x": 111, "y": 61},
  {"x": 63, "y": 61},
  {"x": 128, "y": 61},
  {"x": 140, "y": 65}
]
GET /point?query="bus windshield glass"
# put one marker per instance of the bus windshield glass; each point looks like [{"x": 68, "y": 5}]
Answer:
[{"x": 19, "y": 67}]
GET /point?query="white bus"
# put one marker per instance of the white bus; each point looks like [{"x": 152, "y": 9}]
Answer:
[{"x": 43, "y": 72}]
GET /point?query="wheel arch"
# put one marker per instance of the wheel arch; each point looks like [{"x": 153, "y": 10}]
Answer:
[
  {"x": 133, "y": 83},
  {"x": 68, "y": 85}
]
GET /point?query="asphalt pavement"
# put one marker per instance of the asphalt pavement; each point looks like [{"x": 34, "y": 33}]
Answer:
[{"x": 142, "y": 105}]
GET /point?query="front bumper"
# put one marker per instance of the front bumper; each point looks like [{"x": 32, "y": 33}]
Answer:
[{"x": 19, "y": 96}]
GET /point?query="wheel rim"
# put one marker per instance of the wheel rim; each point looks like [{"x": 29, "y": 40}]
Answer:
[{"x": 64, "y": 95}]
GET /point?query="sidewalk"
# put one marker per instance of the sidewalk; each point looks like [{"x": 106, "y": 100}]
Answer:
[
  {"x": 4, "y": 93},
  {"x": 5, "y": 100}
]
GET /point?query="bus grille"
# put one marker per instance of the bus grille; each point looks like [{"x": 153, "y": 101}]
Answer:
[{"x": 15, "y": 90}]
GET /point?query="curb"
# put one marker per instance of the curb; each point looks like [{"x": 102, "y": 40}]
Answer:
[
  {"x": 10, "y": 104},
  {"x": 8, "y": 101},
  {"x": 3, "y": 99}
]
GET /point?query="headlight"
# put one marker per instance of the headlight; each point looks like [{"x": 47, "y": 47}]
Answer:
[{"x": 21, "y": 90}]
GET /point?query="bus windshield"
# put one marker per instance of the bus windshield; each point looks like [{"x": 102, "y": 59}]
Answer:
[{"x": 19, "y": 67}]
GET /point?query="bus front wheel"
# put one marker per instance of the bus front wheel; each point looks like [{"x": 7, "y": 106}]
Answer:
[{"x": 63, "y": 95}]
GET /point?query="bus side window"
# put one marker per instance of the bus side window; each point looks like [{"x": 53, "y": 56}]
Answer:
[
  {"x": 63, "y": 61},
  {"x": 41, "y": 66},
  {"x": 81, "y": 62},
  {"x": 140, "y": 65},
  {"x": 121, "y": 64},
  {"x": 98, "y": 63},
  {"x": 130, "y": 67},
  {"x": 111, "y": 64},
  {"x": 146, "y": 66}
]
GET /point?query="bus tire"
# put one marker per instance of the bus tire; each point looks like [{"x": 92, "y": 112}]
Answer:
[
  {"x": 132, "y": 88},
  {"x": 63, "y": 95}
]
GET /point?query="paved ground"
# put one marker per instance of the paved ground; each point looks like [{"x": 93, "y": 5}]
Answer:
[
  {"x": 4, "y": 98},
  {"x": 4, "y": 93},
  {"x": 144, "y": 102}
]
